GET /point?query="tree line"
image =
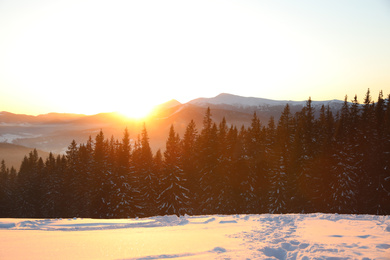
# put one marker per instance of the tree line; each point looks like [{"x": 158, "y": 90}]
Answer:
[{"x": 331, "y": 163}]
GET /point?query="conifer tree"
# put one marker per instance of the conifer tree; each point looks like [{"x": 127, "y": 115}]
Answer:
[
  {"x": 53, "y": 188},
  {"x": 344, "y": 170},
  {"x": 29, "y": 188},
  {"x": 4, "y": 190},
  {"x": 223, "y": 171},
  {"x": 12, "y": 201},
  {"x": 280, "y": 193},
  {"x": 384, "y": 184},
  {"x": 101, "y": 178},
  {"x": 143, "y": 163},
  {"x": 376, "y": 161},
  {"x": 242, "y": 168},
  {"x": 322, "y": 163},
  {"x": 207, "y": 158},
  {"x": 231, "y": 189},
  {"x": 125, "y": 181},
  {"x": 71, "y": 180},
  {"x": 190, "y": 165},
  {"x": 255, "y": 182},
  {"x": 308, "y": 181},
  {"x": 87, "y": 180},
  {"x": 173, "y": 198}
]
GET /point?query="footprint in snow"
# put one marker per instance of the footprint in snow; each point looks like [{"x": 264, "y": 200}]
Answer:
[
  {"x": 227, "y": 221},
  {"x": 209, "y": 220},
  {"x": 383, "y": 246},
  {"x": 218, "y": 250},
  {"x": 277, "y": 252}
]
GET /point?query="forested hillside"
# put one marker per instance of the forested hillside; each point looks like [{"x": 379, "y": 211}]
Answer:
[{"x": 302, "y": 163}]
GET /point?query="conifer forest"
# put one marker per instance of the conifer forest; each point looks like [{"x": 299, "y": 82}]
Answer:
[{"x": 311, "y": 161}]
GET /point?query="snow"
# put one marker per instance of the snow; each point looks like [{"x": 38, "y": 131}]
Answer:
[
  {"x": 266, "y": 236},
  {"x": 10, "y": 138},
  {"x": 240, "y": 101}
]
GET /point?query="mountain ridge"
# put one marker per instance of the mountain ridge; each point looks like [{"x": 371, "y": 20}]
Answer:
[
  {"x": 53, "y": 132},
  {"x": 234, "y": 100},
  {"x": 220, "y": 99}
]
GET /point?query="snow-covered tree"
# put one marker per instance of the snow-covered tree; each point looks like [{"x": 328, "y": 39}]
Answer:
[
  {"x": 174, "y": 196},
  {"x": 146, "y": 195}
]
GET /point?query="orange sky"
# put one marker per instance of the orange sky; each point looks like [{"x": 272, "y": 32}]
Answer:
[{"x": 101, "y": 56}]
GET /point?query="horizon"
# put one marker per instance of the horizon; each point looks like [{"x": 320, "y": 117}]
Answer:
[{"x": 181, "y": 103}]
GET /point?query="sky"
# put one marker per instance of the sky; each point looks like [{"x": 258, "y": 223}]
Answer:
[{"x": 92, "y": 56}]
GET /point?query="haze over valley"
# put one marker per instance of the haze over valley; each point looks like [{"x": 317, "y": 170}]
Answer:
[{"x": 53, "y": 132}]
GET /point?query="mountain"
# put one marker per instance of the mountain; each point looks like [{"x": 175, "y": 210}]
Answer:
[
  {"x": 234, "y": 102},
  {"x": 239, "y": 101},
  {"x": 13, "y": 154},
  {"x": 264, "y": 108},
  {"x": 55, "y": 131}
]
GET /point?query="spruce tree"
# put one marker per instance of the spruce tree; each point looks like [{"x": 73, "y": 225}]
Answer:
[
  {"x": 71, "y": 180},
  {"x": 101, "y": 178},
  {"x": 53, "y": 185},
  {"x": 124, "y": 180},
  {"x": 191, "y": 166},
  {"x": 255, "y": 183},
  {"x": 147, "y": 180},
  {"x": 343, "y": 184},
  {"x": 4, "y": 190},
  {"x": 207, "y": 159},
  {"x": 280, "y": 193},
  {"x": 308, "y": 180},
  {"x": 224, "y": 198},
  {"x": 173, "y": 198}
]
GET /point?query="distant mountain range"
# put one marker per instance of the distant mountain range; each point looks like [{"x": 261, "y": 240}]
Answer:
[{"x": 54, "y": 132}]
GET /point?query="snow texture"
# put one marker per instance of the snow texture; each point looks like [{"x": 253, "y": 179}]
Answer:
[{"x": 267, "y": 236}]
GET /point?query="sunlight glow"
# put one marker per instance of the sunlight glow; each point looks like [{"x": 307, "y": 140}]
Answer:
[
  {"x": 92, "y": 56},
  {"x": 136, "y": 112},
  {"x": 140, "y": 55}
]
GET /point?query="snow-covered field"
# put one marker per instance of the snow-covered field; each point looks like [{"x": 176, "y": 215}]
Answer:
[{"x": 291, "y": 236}]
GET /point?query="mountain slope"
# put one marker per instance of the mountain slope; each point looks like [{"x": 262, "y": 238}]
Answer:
[
  {"x": 235, "y": 101},
  {"x": 13, "y": 154}
]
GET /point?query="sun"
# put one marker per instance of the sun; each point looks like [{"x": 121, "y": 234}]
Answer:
[{"x": 136, "y": 111}]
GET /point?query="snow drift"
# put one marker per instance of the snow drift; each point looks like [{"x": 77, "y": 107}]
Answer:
[{"x": 267, "y": 236}]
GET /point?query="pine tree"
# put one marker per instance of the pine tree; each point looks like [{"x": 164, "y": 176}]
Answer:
[
  {"x": 4, "y": 190},
  {"x": 143, "y": 163},
  {"x": 280, "y": 193},
  {"x": 230, "y": 172},
  {"x": 71, "y": 182},
  {"x": 12, "y": 201},
  {"x": 255, "y": 182},
  {"x": 173, "y": 198},
  {"x": 29, "y": 189},
  {"x": 384, "y": 181},
  {"x": 308, "y": 181},
  {"x": 242, "y": 168},
  {"x": 322, "y": 163},
  {"x": 207, "y": 159},
  {"x": 87, "y": 180},
  {"x": 101, "y": 178},
  {"x": 377, "y": 156},
  {"x": 54, "y": 188},
  {"x": 125, "y": 188},
  {"x": 190, "y": 165},
  {"x": 343, "y": 184},
  {"x": 224, "y": 197}
]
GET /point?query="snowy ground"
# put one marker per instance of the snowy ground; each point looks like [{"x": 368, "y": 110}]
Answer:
[{"x": 292, "y": 236}]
